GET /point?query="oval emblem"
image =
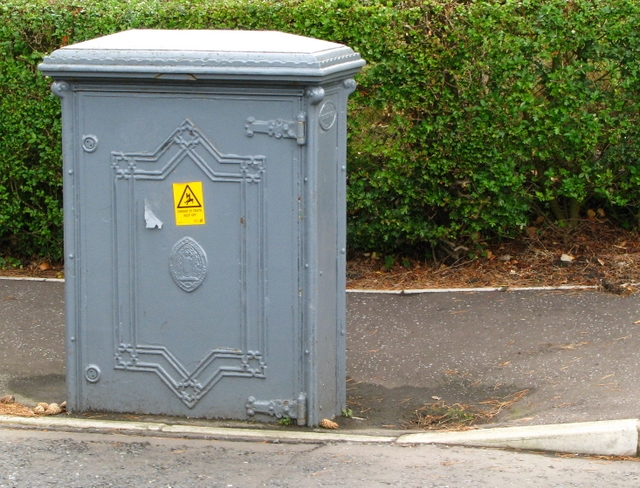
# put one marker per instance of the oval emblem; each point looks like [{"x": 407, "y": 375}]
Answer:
[
  {"x": 188, "y": 264},
  {"x": 328, "y": 114}
]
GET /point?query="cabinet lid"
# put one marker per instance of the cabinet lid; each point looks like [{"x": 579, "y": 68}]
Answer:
[{"x": 203, "y": 54}]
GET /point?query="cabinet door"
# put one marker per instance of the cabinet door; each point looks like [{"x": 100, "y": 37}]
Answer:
[{"x": 186, "y": 277}]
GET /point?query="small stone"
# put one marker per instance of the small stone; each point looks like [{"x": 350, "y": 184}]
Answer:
[
  {"x": 53, "y": 409},
  {"x": 328, "y": 424}
]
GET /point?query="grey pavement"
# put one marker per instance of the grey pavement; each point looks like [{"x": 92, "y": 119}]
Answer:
[
  {"x": 572, "y": 357},
  {"x": 576, "y": 352}
]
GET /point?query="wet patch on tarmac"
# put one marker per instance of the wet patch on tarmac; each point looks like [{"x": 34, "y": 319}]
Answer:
[{"x": 31, "y": 390}]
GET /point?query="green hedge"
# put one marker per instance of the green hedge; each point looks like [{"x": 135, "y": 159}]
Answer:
[{"x": 470, "y": 119}]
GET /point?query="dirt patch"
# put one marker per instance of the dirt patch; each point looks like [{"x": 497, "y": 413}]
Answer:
[
  {"x": 374, "y": 406},
  {"x": 35, "y": 269},
  {"x": 592, "y": 254},
  {"x": 16, "y": 409},
  {"x": 9, "y": 406}
]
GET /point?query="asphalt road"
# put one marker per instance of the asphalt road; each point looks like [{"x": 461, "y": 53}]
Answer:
[{"x": 44, "y": 459}]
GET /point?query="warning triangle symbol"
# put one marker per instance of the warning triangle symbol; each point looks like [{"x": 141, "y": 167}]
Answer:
[{"x": 189, "y": 199}]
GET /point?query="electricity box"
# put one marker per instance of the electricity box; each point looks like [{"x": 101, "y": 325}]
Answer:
[{"x": 204, "y": 205}]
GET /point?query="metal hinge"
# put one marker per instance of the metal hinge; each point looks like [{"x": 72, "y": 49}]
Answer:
[
  {"x": 279, "y": 128},
  {"x": 293, "y": 409}
]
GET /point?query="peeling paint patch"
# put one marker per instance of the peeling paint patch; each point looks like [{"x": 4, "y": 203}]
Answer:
[{"x": 150, "y": 218}]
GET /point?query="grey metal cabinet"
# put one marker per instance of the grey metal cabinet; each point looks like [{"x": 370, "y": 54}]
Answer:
[{"x": 204, "y": 200}]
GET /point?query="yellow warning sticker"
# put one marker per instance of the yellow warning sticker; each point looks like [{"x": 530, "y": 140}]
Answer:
[{"x": 188, "y": 201}]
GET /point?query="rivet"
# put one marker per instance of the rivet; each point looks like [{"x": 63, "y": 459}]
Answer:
[
  {"x": 71, "y": 256},
  {"x": 70, "y": 171}
]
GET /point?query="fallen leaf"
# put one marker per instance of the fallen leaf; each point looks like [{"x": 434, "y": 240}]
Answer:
[
  {"x": 567, "y": 258},
  {"x": 569, "y": 347},
  {"x": 601, "y": 261},
  {"x": 44, "y": 266},
  {"x": 436, "y": 397},
  {"x": 622, "y": 338},
  {"x": 506, "y": 363}
]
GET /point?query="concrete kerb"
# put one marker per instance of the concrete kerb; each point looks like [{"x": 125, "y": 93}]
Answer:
[
  {"x": 605, "y": 438},
  {"x": 182, "y": 430}
]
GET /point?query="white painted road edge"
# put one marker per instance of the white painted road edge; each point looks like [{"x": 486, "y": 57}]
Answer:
[
  {"x": 27, "y": 278},
  {"x": 417, "y": 291},
  {"x": 605, "y": 438},
  {"x": 410, "y": 291}
]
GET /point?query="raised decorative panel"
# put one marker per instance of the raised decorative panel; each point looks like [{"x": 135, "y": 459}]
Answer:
[
  {"x": 235, "y": 348},
  {"x": 188, "y": 264}
]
